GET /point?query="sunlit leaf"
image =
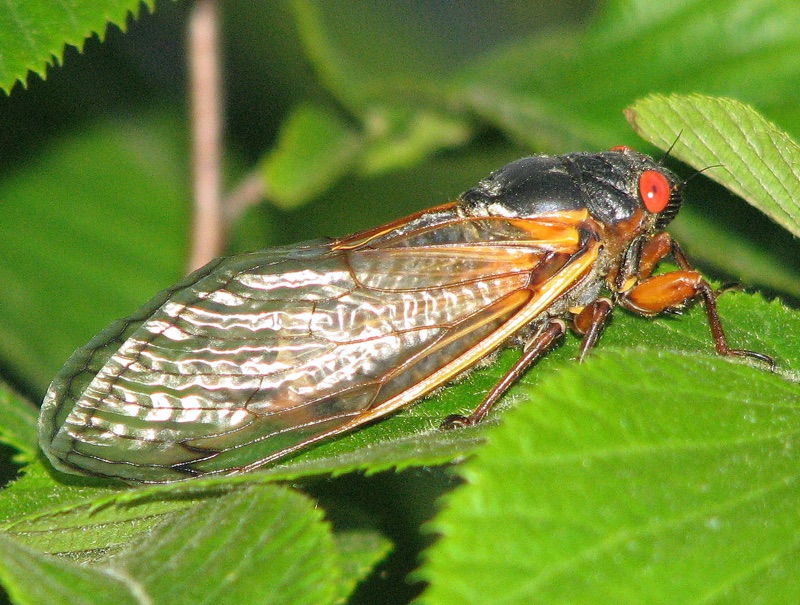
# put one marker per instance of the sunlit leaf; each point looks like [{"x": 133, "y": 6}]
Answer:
[
  {"x": 607, "y": 487},
  {"x": 33, "y": 33},
  {"x": 756, "y": 159}
]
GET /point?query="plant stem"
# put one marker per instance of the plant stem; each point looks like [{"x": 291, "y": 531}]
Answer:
[{"x": 206, "y": 114}]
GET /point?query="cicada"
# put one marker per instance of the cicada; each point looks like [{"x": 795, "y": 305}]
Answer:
[{"x": 256, "y": 356}]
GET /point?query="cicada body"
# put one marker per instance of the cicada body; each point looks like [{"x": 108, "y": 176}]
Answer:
[{"x": 256, "y": 356}]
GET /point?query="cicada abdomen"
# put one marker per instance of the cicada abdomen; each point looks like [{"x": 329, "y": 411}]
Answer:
[{"x": 256, "y": 356}]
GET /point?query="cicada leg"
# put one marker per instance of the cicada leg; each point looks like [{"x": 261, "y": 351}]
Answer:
[
  {"x": 652, "y": 295},
  {"x": 590, "y": 323},
  {"x": 536, "y": 347}
]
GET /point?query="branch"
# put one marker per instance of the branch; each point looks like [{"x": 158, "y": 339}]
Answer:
[{"x": 206, "y": 112}]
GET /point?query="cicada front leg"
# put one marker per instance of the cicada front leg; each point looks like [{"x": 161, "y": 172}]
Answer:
[{"x": 651, "y": 295}]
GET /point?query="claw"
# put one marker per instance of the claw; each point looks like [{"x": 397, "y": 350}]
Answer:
[
  {"x": 755, "y": 355},
  {"x": 729, "y": 287}
]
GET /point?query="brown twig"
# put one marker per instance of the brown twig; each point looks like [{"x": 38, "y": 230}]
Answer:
[
  {"x": 247, "y": 193},
  {"x": 206, "y": 113}
]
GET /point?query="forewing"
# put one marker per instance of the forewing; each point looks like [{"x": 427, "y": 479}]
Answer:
[{"x": 263, "y": 352}]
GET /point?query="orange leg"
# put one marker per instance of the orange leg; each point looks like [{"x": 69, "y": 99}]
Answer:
[
  {"x": 656, "y": 248},
  {"x": 667, "y": 291},
  {"x": 652, "y": 295}
]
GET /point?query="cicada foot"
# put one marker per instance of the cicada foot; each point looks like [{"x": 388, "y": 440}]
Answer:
[
  {"x": 456, "y": 421},
  {"x": 761, "y": 357}
]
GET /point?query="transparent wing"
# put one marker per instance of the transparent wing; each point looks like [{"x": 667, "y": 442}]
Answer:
[{"x": 258, "y": 354}]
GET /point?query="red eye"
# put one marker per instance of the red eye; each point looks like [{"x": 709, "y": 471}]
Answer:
[{"x": 655, "y": 190}]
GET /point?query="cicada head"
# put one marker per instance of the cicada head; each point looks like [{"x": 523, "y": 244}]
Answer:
[{"x": 615, "y": 187}]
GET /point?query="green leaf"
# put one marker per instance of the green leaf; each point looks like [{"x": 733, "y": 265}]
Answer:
[
  {"x": 18, "y": 420},
  {"x": 256, "y": 518},
  {"x": 80, "y": 518},
  {"x": 38, "y": 492},
  {"x": 99, "y": 220},
  {"x": 607, "y": 487},
  {"x": 33, "y": 33},
  {"x": 259, "y": 545},
  {"x": 315, "y": 147},
  {"x": 399, "y": 139},
  {"x": 359, "y": 551},
  {"x": 31, "y": 578},
  {"x": 262, "y": 544},
  {"x": 759, "y": 162}
]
